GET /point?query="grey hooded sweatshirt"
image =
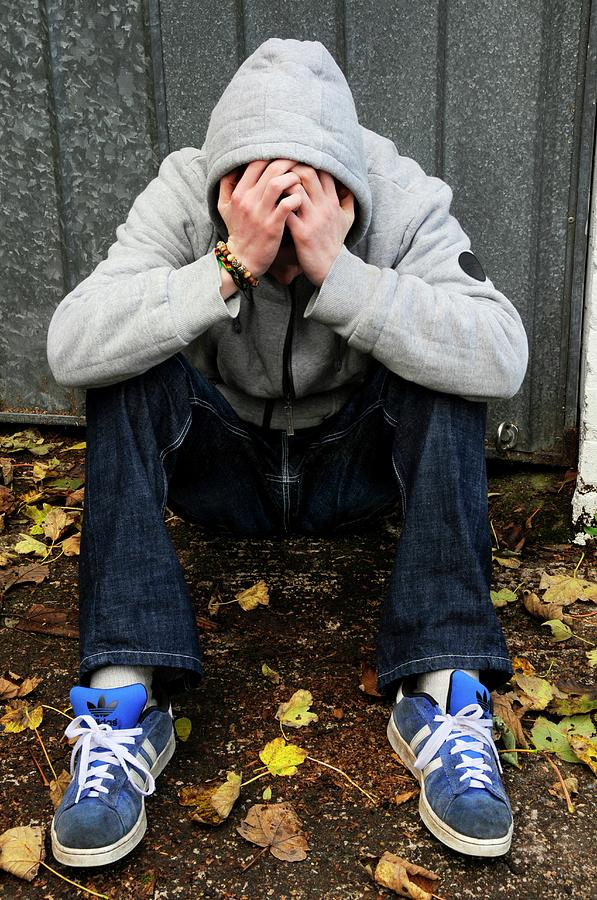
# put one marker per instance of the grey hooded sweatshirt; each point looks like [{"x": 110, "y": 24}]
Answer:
[{"x": 405, "y": 289}]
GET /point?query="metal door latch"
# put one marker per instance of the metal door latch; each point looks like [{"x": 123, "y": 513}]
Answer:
[{"x": 506, "y": 436}]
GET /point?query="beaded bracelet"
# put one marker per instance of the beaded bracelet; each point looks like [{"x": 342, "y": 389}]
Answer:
[{"x": 238, "y": 271}]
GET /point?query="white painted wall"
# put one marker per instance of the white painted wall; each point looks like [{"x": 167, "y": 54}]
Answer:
[{"x": 584, "y": 502}]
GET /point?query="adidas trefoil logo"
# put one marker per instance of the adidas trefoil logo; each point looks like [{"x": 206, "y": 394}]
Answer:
[
  {"x": 102, "y": 711},
  {"x": 484, "y": 701}
]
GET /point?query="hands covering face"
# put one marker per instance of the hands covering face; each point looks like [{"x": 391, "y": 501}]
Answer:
[{"x": 272, "y": 197}]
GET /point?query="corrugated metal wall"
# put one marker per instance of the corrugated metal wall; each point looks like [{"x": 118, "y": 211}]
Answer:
[{"x": 496, "y": 98}]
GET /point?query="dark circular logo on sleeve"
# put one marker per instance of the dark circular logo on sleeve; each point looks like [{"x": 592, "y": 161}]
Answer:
[{"x": 471, "y": 265}]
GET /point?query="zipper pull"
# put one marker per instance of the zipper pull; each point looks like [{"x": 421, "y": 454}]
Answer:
[{"x": 289, "y": 418}]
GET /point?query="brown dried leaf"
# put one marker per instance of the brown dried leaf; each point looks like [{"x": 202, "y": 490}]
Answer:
[
  {"x": 7, "y": 467},
  {"x": 8, "y": 500},
  {"x": 20, "y": 715},
  {"x": 277, "y": 826},
  {"x": 71, "y": 546},
  {"x": 406, "y": 879},
  {"x": 22, "y": 850},
  {"x": 30, "y": 573},
  {"x": 58, "y": 786},
  {"x": 50, "y": 620},
  {"x": 502, "y": 707},
  {"x": 56, "y": 522},
  {"x": 405, "y": 796},
  {"x": 522, "y": 664},
  {"x": 75, "y": 498},
  {"x": 509, "y": 562},
  {"x": 368, "y": 683},
  {"x": 14, "y": 686},
  {"x": 257, "y": 595},
  {"x": 571, "y": 783},
  {"x": 544, "y": 611},
  {"x": 536, "y": 692}
]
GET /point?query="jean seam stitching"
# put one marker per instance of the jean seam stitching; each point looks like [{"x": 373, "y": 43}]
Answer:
[
  {"x": 197, "y": 401},
  {"x": 142, "y": 653},
  {"x": 172, "y": 446},
  {"x": 338, "y": 434},
  {"x": 444, "y": 656}
]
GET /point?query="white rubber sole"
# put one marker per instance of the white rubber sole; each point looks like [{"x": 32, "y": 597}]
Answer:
[
  {"x": 101, "y": 856},
  {"x": 448, "y": 836}
]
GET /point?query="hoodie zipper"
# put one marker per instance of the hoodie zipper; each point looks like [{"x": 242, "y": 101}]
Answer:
[{"x": 287, "y": 381}]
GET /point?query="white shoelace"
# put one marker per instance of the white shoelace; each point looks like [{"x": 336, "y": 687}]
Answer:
[
  {"x": 469, "y": 722},
  {"x": 113, "y": 743}
]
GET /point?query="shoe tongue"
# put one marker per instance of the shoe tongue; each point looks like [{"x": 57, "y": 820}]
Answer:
[
  {"x": 117, "y": 707},
  {"x": 464, "y": 690}
]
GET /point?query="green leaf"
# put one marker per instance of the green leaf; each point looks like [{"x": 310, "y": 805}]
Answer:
[
  {"x": 68, "y": 485},
  {"x": 182, "y": 728},
  {"x": 559, "y": 630},
  {"x": 502, "y": 598},
  {"x": 592, "y": 657},
  {"x": 267, "y": 794},
  {"x": 29, "y": 544},
  {"x": 582, "y": 725},
  {"x": 508, "y": 740},
  {"x": 282, "y": 758},
  {"x": 538, "y": 690},
  {"x": 553, "y": 738},
  {"x": 588, "y": 529}
]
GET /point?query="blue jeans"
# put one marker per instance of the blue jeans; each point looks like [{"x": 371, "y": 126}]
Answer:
[{"x": 168, "y": 437}]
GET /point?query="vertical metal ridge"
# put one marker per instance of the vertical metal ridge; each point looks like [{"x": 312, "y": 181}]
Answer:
[
  {"x": 440, "y": 82},
  {"x": 62, "y": 169},
  {"x": 241, "y": 32},
  {"x": 340, "y": 20},
  {"x": 157, "y": 85}
]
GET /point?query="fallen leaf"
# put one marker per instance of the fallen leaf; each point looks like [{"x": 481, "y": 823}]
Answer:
[
  {"x": 56, "y": 522},
  {"x": 30, "y": 573},
  {"x": 572, "y": 699},
  {"x": 212, "y": 803},
  {"x": 22, "y": 850},
  {"x": 7, "y": 468},
  {"x": 80, "y": 446},
  {"x": 183, "y": 727},
  {"x": 20, "y": 715},
  {"x": 214, "y": 602},
  {"x": 508, "y": 562},
  {"x": 61, "y": 486},
  {"x": 536, "y": 607},
  {"x": 257, "y": 595},
  {"x": 13, "y": 686},
  {"x": 58, "y": 786},
  {"x": 71, "y": 546},
  {"x": 522, "y": 664},
  {"x": 295, "y": 712},
  {"x": 42, "y": 470},
  {"x": 273, "y": 676},
  {"x": 553, "y": 738},
  {"x": 502, "y": 598},
  {"x": 506, "y": 735},
  {"x": 404, "y": 878},
  {"x": 566, "y": 589},
  {"x": 503, "y": 707},
  {"x": 30, "y": 440},
  {"x": 76, "y": 497},
  {"x": 8, "y": 500},
  {"x": 277, "y": 826},
  {"x": 405, "y": 796},
  {"x": 42, "y": 619},
  {"x": 585, "y": 749},
  {"x": 28, "y": 544},
  {"x": 592, "y": 657},
  {"x": 267, "y": 794},
  {"x": 37, "y": 516},
  {"x": 281, "y": 758},
  {"x": 536, "y": 692},
  {"x": 559, "y": 630},
  {"x": 571, "y": 784},
  {"x": 368, "y": 684}
]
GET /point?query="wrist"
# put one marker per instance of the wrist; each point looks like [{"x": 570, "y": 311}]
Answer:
[{"x": 227, "y": 285}]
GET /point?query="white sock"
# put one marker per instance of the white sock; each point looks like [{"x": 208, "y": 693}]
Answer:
[
  {"x": 120, "y": 676},
  {"x": 437, "y": 684}
]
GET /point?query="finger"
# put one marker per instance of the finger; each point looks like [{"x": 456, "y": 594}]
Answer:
[
  {"x": 274, "y": 169},
  {"x": 300, "y": 191},
  {"x": 347, "y": 203},
  {"x": 311, "y": 182},
  {"x": 328, "y": 183},
  {"x": 277, "y": 186},
  {"x": 252, "y": 174},
  {"x": 286, "y": 208}
]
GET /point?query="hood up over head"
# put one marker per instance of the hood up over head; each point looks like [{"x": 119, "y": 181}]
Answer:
[{"x": 289, "y": 100}]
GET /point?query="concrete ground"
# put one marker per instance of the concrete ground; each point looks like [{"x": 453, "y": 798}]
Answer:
[{"x": 317, "y": 632}]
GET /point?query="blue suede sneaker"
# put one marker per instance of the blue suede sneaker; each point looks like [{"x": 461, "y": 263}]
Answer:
[
  {"x": 119, "y": 752},
  {"x": 462, "y": 802}
]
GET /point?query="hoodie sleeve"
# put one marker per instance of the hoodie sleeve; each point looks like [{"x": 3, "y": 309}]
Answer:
[
  {"x": 150, "y": 297},
  {"x": 435, "y": 318}
]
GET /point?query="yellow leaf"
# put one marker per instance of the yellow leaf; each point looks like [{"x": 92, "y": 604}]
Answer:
[
  {"x": 43, "y": 470},
  {"x": 56, "y": 522},
  {"x": 28, "y": 544},
  {"x": 296, "y": 711},
  {"x": 80, "y": 446},
  {"x": 538, "y": 690},
  {"x": 282, "y": 758},
  {"x": 585, "y": 749},
  {"x": 522, "y": 664},
  {"x": 20, "y": 716},
  {"x": 212, "y": 803},
  {"x": 58, "y": 786},
  {"x": 22, "y": 850},
  {"x": 566, "y": 589},
  {"x": 270, "y": 673},
  {"x": 508, "y": 561},
  {"x": 257, "y": 595},
  {"x": 182, "y": 728}
]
